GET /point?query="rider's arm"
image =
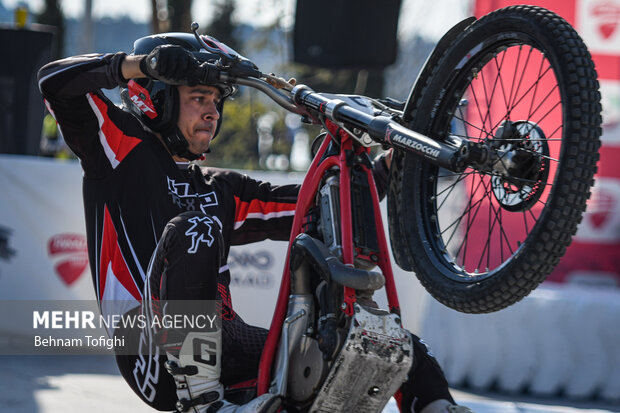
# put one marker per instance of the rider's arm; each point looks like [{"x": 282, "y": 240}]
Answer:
[
  {"x": 262, "y": 210},
  {"x": 130, "y": 68},
  {"x": 72, "y": 91},
  {"x": 75, "y": 76}
]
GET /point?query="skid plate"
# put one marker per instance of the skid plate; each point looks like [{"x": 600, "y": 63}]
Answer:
[{"x": 373, "y": 363}]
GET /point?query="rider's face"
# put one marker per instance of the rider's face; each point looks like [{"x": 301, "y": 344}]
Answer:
[{"x": 198, "y": 115}]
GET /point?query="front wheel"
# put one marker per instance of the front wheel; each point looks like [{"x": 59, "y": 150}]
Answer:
[{"x": 520, "y": 83}]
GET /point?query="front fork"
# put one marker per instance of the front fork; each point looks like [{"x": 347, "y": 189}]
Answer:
[{"x": 455, "y": 153}]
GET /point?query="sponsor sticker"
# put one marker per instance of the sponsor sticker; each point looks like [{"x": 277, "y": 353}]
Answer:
[
  {"x": 70, "y": 256},
  {"x": 598, "y": 23}
]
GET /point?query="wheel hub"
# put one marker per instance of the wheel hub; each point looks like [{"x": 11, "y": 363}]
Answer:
[{"x": 519, "y": 164}]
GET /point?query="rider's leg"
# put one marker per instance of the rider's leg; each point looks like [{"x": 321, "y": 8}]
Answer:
[
  {"x": 143, "y": 369},
  {"x": 185, "y": 266},
  {"x": 426, "y": 389}
]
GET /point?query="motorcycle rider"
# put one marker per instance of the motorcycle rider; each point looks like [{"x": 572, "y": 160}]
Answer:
[{"x": 160, "y": 227}]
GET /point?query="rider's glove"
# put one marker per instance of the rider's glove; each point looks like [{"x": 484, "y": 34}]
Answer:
[{"x": 175, "y": 65}]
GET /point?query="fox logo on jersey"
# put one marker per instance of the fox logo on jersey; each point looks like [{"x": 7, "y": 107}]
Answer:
[
  {"x": 200, "y": 231},
  {"x": 184, "y": 197}
]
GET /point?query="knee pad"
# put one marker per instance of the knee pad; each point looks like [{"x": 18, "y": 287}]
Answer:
[
  {"x": 196, "y": 230},
  {"x": 187, "y": 258}
]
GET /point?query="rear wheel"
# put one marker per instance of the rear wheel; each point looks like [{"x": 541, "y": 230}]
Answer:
[{"x": 520, "y": 84}]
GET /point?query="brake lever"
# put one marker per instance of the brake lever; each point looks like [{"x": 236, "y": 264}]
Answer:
[
  {"x": 234, "y": 65},
  {"x": 227, "y": 56}
]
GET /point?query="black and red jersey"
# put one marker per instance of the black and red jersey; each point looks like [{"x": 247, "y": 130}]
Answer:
[{"x": 132, "y": 187}]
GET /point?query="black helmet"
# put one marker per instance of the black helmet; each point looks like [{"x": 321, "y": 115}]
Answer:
[{"x": 156, "y": 103}]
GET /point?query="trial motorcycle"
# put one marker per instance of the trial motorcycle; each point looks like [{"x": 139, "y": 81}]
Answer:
[{"x": 494, "y": 155}]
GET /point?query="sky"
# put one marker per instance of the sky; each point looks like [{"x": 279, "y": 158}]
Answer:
[{"x": 430, "y": 19}]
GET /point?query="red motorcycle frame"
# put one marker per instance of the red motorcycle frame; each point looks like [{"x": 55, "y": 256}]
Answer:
[{"x": 316, "y": 171}]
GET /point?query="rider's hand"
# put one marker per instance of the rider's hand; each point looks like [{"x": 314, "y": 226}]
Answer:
[
  {"x": 280, "y": 83},
  {"x": 172, "y": 64}
]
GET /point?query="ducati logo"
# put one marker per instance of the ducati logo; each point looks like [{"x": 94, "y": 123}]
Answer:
[
  {"x": 69, "y": 255},
  {"x": 607, "y": 16},
  {"x": 601, "y": 223},
  {"x": 600, "y": 209}
]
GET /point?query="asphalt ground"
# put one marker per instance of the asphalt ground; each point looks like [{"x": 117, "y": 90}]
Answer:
[{"x": 87, "y": 383}]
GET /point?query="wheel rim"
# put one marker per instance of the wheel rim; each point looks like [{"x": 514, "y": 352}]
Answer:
[{"x": 504, "y": 84}]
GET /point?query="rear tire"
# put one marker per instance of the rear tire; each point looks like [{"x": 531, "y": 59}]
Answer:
[{"x": 481, "y": 240}]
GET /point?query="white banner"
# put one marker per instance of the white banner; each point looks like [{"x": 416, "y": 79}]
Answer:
[
  {"x": 42, "y": 231},
  {"x": 43, "y": 252}
]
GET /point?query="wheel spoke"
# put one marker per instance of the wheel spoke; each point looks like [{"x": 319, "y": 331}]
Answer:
[
  {"x": 459, "y": 219},
  {"x": 487, "y": 115},
  {"x": 487, "y": 84},
  {"x": 450, "y": 189},
  {"x": 525, "y": 94},
  {"x": 472, "y": 125},
  {"x": 471, "y": 220},
  {"x": 531, "y": 88},
  {"x": 498, "y": 68},
  {"x": 482, "y": 120},
  {"x": 525, "y": 64},
  {"x": 524, "y": 214},
  {"x": 536, "y": 84}
]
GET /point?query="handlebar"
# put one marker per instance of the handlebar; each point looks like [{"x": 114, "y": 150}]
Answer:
[
  {"x": 382, "y": 129},
  {"x": 279, "y": 96}
]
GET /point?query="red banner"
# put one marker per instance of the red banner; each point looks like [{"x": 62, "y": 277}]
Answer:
[{"x": 594, "y": 255}]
